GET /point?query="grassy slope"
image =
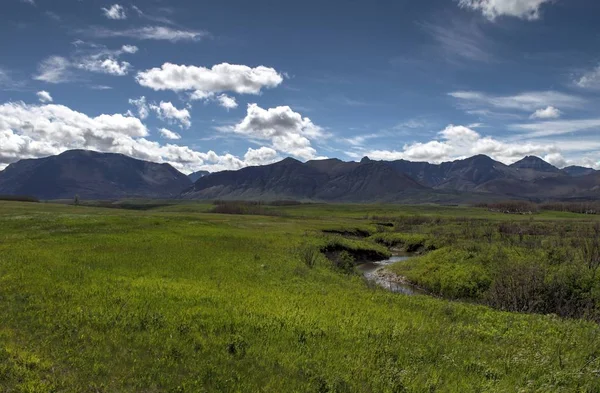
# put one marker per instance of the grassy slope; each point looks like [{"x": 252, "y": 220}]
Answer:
[{"x": 111, "y": 300}]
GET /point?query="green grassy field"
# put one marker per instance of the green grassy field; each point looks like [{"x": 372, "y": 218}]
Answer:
[{"x": 177, "y": 299}]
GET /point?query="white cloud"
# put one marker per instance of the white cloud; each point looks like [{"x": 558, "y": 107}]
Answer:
[
  {"x": 547, "y": 113},
  {"x": 168, "y": 134},
  {"x": 87, "y": 57},
  {"x": 105, "y": 66},
  {"x": 161, "y": 33},
  {"x": 141, "y": 105},
  {"x": 261, "y": 156},
  {"x": 116, "y": 11},
  {"x": 55, "y": 69},
  {"x": 31, "y": 131},
  {"x": 590, "y": 79},
  {"x": 168, "y": 111},
  {"x": 287, "y": 130},
  {"x": 528, "y": 101},
  {"x": 32, "y": 2},
  {"x": 459, "y": 41},
  {"x": 100, "y": 87},
  {"x": 491, "y": 9},
  {"x": 556, "y": 159},
  {"x": 456, "y": 142},
  {"x": 201, "y": 95},
  {"x": 557, "y": 127},
  {"x": 154, "y": 18},
  {"x": 44, "y": 96},
  {"x": 129, "y": 49},
  {"x": 204, "y": 82},
  {"x": 227, "y": 102}
]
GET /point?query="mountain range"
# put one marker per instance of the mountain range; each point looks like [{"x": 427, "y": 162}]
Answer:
[
  {"x": 91, "y": 175},
  {"x": 94, "y": 175},
  {"x": 471, "y": 179}
]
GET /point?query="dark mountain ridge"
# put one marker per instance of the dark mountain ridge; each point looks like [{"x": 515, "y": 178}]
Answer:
[
  {"x": 91, "y": 175},
  {"x": 95, "y": 175},
  {"x": 476, "y": 177},
  {"x": 328, "y": 180}
]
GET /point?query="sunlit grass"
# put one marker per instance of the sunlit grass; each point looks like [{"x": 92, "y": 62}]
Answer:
[{"x": 176, "y": 299}]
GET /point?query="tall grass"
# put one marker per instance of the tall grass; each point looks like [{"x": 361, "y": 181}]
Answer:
[{"x": 100, "y": 300}]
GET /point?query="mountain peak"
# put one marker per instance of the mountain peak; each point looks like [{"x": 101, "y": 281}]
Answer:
[
  {"x": 533, "y": 162},
  {"x": 365, "y": 159},
  {"x": 289, "y": 160},
  {"x": 92, "y": 175}
]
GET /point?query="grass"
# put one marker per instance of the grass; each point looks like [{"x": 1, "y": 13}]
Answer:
[{"x": 180, "y": 300}]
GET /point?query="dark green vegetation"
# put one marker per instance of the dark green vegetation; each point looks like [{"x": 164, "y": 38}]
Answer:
[
  {"x": 175, "y": 298},
  {"x": 542, "y": 266}
]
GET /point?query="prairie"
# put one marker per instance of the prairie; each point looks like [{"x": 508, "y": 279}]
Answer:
[{"x": 176, "y": 298}]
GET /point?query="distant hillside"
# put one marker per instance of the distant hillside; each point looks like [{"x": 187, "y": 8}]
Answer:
[
  {"x": 197, "y": 175},
  {"x": 91, "y": 175},
  {"x": 328, "y": 180},
  {"x": 462, "y": 181},
  {"x": 578, "y": 171}
]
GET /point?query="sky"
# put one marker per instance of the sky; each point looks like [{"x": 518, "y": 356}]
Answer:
[{"x": 216, "y": 85}]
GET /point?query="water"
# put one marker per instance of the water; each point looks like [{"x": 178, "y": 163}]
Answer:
[{"x": 374, "y": 272}]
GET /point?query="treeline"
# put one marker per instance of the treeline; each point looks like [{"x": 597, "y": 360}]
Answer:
[
  {"x": 526, "y": 207},
  {"x": 18, "y": 198}
]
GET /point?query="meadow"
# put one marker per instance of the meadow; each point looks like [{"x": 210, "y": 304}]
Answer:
[{"x": 175, "y": 297}]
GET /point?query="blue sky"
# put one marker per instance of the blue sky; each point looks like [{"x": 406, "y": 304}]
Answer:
[{"x": 221, "y": 85}]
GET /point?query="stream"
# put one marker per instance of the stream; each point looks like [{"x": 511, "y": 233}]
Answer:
[{"x": 375, "y": 272}]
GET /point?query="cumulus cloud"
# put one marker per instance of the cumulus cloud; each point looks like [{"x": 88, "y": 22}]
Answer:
[
  {"x": 158, "y": 33},
  {"x": 491, "y": 9},
  {"x": 456, "y": 142},
  {"x": 528, "y": 101},
  {"x": 115, "y": 11},
  {"x": 556, "y": 159},
  {"x": 204, "y": 82},
  {"x": 44, "y": 96},
  {"x": 227, "y": 102},
  {"x": 105, "y": 66},
  {"x": 168, "y": 134},
  {"x": 261, "y": 156},
  {"x": 141, "y": 106},
  {"x": 547, "y": 113},
  {"x": 167, "y": 111},
  {"x": 129, "y": 49},
  {"x": 590, "y": 79},
  {"x": 287, "y": 130},
  {"x": 31, "y": 131},
  {"x": 87, "y": 57}
]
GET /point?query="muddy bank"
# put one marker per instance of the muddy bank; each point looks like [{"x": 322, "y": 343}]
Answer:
[
  {"x": 359, "y": 256},
  {"x": 351, "y": 233}
]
